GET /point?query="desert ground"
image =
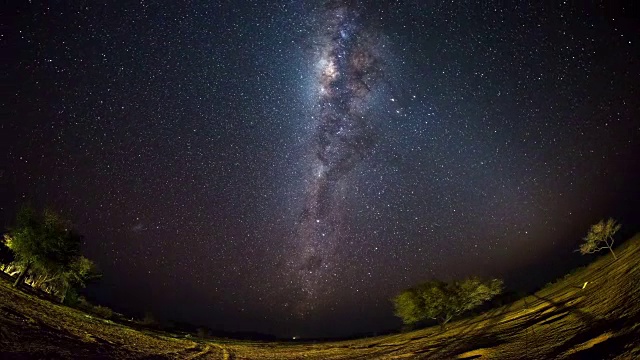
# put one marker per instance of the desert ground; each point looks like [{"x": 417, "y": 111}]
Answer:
[{"x": 565, "y": 320}]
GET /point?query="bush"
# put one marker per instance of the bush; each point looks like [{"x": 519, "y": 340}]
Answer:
[
  {"x": 80, "y": 303},
  {"x": 149, "y": 320},
  {"x": 102, "y": 311},
  {"x": 72, "y": 299}
]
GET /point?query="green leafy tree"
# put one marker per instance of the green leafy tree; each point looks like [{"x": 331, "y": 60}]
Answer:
[
  {"x": 42, "y": 242},
  {"x": 600, "y": 236},
  {"x": 442, "y": 301},
  {"x": 409, "y": 306},
  {"x": 76, "y": 274}
]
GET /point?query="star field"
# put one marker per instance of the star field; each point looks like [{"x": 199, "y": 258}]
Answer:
[{"x": 288, "y": 167}]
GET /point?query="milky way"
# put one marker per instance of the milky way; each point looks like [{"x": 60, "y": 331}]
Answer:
[
  {"x": 288, "y": 167},
  {"x": 346, "y": 71}
]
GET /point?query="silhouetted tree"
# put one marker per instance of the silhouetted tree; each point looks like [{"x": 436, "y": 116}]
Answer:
[
  {"x": 600, "y": 237},
  {"x": 442, "y": 301}
]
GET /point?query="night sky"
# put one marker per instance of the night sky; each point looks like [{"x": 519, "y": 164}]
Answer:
[{"x": 288, "y": 167}]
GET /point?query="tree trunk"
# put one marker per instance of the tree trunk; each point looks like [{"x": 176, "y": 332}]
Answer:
[
  {"x": 20, "y": 278},
  {"x": 611, "y": 249},
  {"x": 444, "y": 321},
  {"x": 64, "y": 294},
  {"x": 40, "y": 280}
]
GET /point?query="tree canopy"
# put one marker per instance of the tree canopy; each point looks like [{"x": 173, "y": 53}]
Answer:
[
  {"x": 76, "y": 274},
  {"x": 442, "y": 301},
  {"x": 600, "y": 236},
  {"x": 45, "y": 243}
]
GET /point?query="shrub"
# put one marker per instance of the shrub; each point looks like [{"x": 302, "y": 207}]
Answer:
[{"x": 102, "y": 311}]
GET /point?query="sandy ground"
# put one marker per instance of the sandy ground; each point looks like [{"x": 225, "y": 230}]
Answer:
[{"x": 562, "y": 321}]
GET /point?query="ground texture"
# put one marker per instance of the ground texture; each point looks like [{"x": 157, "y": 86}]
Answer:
[{"x": 565, "y": 320}]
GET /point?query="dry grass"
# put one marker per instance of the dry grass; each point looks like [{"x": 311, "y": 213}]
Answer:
[{"x": 562, "y": 321}]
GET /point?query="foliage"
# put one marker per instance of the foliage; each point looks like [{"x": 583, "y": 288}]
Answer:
[
  {"x": 600, "y": 236},
  {"x": 76, "y": 274},
  {"x": 442, "y": 301},
  {"x": 79, "y": 302},
  {"x": 48, "y": 248},
  {"x": 45, "y": 240},
  {"x": 73, "y": 299},
  {"x": 409, "y": 306},
  {"x": 102, "y": 311}
]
